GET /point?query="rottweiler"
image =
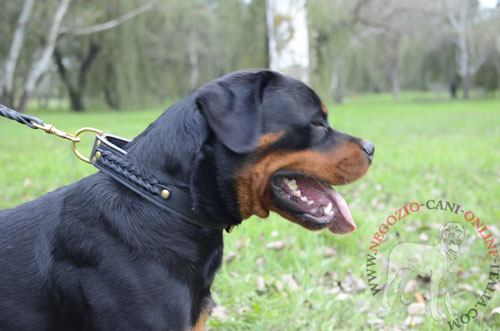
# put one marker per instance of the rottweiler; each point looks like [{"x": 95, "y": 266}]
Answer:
[{"x": 95, "y": 255}]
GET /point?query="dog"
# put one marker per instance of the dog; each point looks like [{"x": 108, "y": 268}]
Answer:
[
  {"x": 96, "y": 255},
  {"x": 438, "y": 262}
]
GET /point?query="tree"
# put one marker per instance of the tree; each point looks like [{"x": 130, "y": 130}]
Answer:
[
  {"x": 396, "y": 19},
  {"x": 473, "y": 35},
  {"x": 288, "y": 37},
  {"x": 42, "y": 62},
  {"x": 7, "y": 83},
  {"x": 83, "y": 53}
]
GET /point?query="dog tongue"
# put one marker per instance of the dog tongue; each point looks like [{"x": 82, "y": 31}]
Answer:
[{"x": 343, "y": 222}]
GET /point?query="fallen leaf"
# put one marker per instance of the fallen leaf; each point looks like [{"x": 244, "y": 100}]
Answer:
[
  {"x": 351, "y": 284},
  {"x": 220, "y": 313},
  {"x": 240, "y": 243},
  {"x": 276, "y": 245},
  {"x": 463, "y": 274},
  {"x": 343, "y": 296},
  {"x": 377, "y": 322},
  {"x": 330, "y": 252},
  {"x": 234, "y": 274},
  {"x": 419, "y": 297},
  {"x": 230, "y": 256},
  {"x": 411, "y": 286},
  {"x": 261, "y": 284},
  {"x": 243, "y": 310},
  {"x": 260, "y": 261},
  {"x": 416, "y": 308},
  {"x": 494, "y": 230},
  {"x": 469, "y": 288},
  {"x": 494, "y": 311},
  {"x": 333, "y": 290},
  {"x": 290, "y": 282},
  {"x": 423, "y": 237},
  {"x": 414, "y": 320}
]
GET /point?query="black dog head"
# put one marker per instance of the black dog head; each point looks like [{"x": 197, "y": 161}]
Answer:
[
  {"x": 280, "y": 152},
  {"x": 255, "y": 141}
]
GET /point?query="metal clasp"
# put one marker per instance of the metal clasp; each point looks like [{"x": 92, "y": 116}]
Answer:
[
  {"x": 50, "y": 129},
  {"x": 73, "y": 142}
]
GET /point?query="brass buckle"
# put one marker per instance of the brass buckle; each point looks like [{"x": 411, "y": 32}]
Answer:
[{"x": 73, "y": 142}]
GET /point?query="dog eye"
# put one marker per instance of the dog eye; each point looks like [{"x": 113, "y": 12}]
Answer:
[{"x": 318, "y": 124}]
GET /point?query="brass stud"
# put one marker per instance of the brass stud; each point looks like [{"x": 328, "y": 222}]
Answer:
[
  {"x": 98, "y": 154},
  {"x": 98, "y": 143},
  {"x": 165, "y": 194},
  {"x": 94, "y": 159}
]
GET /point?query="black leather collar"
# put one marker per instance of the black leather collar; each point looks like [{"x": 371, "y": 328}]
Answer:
[{"x": 109, "y": 157}]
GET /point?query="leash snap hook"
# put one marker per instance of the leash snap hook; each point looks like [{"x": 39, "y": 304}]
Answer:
[
  {"x": 50, "y": 129},
  {"x": 73, "y": 142}
]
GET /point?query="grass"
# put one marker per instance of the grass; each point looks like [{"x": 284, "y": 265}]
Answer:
[{"x": 425, "y": 148}]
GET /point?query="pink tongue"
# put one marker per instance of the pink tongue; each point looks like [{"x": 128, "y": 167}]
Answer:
[
  {"x": 343, "y": 222},
  {"x": 342, "y": 219}
]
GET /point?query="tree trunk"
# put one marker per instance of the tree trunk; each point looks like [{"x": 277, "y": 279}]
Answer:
[
  {"x": 395, "y": 80},
  {"x": 6, "y": 85},
  {"x": 84, "y": 70},
  {"x": 336, "y": 85},
  {"x": 194, "y": 67},
  {"x": 111, "y": 98},
  {"x": 76, "y": 91},
  {"x": 453, "y": 89},
  {"x": 288, "y": 37},
  {"x": 394, "y": 64},
  {"x": 466, "y": 86},
  {"x": 42, "y": 63}
]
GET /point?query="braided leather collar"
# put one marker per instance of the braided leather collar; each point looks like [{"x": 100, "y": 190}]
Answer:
[{"x": 109, "y": 157}]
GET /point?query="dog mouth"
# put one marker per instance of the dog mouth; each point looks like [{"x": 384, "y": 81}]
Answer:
[{"x": 311, "y": 202}]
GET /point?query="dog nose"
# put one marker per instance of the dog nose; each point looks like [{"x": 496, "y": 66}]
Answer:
[{"x": 369, "y": 148}]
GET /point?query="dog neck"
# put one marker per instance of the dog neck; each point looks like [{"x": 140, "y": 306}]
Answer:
[
  {"x": 179, "y": 149},
  {"x": 448, "y": 253}
]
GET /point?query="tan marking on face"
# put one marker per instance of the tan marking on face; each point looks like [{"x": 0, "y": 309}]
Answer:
[
  {"x": 341, "y": 165},
  {"x": 324, "y": 109},
  {"x": 268, "y": 139}
]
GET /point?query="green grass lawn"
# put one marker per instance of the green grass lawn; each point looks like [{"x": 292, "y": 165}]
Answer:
[{"x": 425, "y": 149}]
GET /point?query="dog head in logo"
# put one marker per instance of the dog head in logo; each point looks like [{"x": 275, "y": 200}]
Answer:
[{"x": 453, "y": 236}]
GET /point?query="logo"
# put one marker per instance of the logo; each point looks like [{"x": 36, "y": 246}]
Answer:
[{"x": 436, "y": 258}]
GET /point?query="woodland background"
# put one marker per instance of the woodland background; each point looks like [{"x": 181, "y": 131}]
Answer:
[{"x": 132, "y": 54}]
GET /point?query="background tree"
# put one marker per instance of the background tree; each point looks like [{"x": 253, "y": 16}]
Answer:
[
  {"x": 6, "y": 84},
  {"x": 119, "y": 54},
  {"x": 288, "y": 37}
]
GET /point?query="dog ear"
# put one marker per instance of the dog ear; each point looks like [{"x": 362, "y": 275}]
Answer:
[
  {"x": 232, "y": 108},
  {"x": 466, "y": 231},
  {"x": 441, "y": 229}
]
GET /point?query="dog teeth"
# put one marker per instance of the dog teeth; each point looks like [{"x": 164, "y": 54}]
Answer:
[
  {"x": 297, "y": 193},
  {"x": 292, "y": 184},
  {"x": 304, "y": 199},
  {"x": 310, "y": 202},
  {"x": 328, "y": 209}
]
